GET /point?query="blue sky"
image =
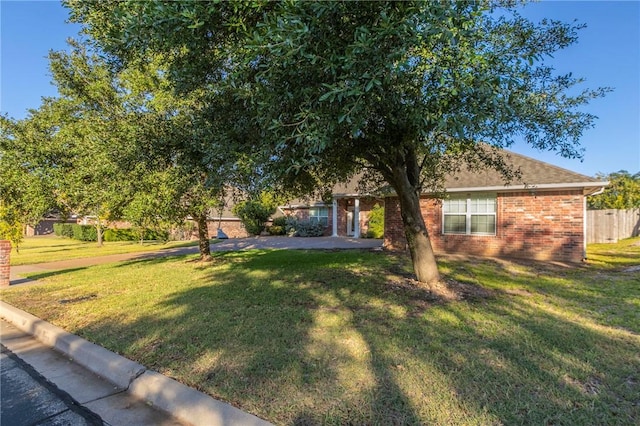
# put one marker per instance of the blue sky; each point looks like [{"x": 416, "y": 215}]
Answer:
[{"x": 607, "y": 54}]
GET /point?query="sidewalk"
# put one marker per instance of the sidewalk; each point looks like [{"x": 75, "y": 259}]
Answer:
[
  {"x": 120, "y": 391},
  {"x": 41, "y": 386}
]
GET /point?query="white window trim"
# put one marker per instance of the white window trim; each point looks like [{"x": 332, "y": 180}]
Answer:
[
  {"x": 468, "y": 215},
  {"x": 318, "y": 217}
]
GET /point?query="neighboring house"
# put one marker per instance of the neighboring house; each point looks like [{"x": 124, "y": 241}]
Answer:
[
  {"x": 45, "y": 226},
  {"x": 542, "y": 216},
  {"x": 225, "y": 220}
]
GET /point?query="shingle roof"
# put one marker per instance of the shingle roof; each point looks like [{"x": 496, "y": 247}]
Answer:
[
  {"x": 532, "y": 172},
  {"x": 347, "y": 188}
]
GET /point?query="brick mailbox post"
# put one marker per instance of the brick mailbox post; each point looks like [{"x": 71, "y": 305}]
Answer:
[{"x": 5, "y": 252}]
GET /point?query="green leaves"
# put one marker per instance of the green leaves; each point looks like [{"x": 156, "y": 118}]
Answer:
[
  {"x": 314, "y": 92},
  {"x": 622, "y": 193}
]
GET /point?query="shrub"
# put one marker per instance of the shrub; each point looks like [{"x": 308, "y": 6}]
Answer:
[
  {"x": 156, "y": 235},
  {"x": 130, "y": 234},
  {"x": 280, "y": 221},
  {"x": 276, "y": 230},
  {"x": 253, "y": 215},
  {"x": 290, "y": 225},
  {"x": 63, "y": 229},
  {"x": 84, "y": 232},
  {"x": 376, "y": 222},
  {"x": 119, "y": 235},
  {"x": 308, "y": 229}
]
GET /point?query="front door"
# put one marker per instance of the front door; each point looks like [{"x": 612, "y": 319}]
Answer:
[{"x": 350, "y": 222}]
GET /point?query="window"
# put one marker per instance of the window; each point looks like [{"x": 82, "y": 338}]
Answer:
[
  {"x": 472, "y": 215},
  {"x": 319, "y": 215}
]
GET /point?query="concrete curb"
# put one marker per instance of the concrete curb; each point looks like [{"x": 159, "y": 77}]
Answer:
[
  {"x": 184, "y": 403},
  {"x": 187, "y": 403},
  {"x": 106, "y": 364}
]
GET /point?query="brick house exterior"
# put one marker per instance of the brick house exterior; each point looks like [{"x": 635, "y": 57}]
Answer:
[
  {"x": 545, "y": 226},
  {"x": 347, "y": 213},
  {"x": 541, "y": 217},
  {"x": 352, "y": 217}
]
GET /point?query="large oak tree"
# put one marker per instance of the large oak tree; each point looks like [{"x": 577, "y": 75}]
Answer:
[{"x": 405, "y": 89}]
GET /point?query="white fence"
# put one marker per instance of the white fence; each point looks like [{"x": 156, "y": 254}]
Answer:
[{"x": 609, "y": 226}]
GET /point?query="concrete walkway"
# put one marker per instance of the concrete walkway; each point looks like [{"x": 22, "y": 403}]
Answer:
[
  {"x": 296, "y": 243},
  {"x": 233, "y": 244}
]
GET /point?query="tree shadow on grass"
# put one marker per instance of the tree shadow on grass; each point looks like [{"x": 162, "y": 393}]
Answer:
[
  {"x": 42, "y": 275},
  {"x": 302, "y": 338}
]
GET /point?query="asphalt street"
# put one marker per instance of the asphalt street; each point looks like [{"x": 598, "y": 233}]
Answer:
[{"x": 27, "y": 398}]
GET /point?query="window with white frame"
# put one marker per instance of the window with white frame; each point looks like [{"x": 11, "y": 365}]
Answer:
[
  {"x": 319, "y": 215},
  {"x": 473, "y": 215}
]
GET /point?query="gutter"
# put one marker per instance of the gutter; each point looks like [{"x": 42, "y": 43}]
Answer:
[
  {"x": 598, "y": 188},
  {"x": 532, "y": 187}
]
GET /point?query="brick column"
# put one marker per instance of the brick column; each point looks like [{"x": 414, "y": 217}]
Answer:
[{"x": 5, "y": 252}]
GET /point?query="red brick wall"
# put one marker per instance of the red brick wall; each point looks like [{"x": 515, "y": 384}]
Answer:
[
  {"x": 233, "y": 228},
  {"x": 302, "y": 214},
  {"x": 394, "y": 238},
  {"x": 5, "y": 254},
  {"x": 544, "y": 226},
  {"x": 366, "y": 205}
]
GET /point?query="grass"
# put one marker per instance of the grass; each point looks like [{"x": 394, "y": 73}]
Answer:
[
  {"x": 51, "y": 248},
  {"x": 327, "y": 337}
]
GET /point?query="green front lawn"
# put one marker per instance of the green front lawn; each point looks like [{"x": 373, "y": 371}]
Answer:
[
  {"x": 52, "y": 249},
  {"x": 335, "y": 337}
]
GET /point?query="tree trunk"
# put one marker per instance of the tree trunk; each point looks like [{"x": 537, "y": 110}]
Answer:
[
  {"x": 415, "y": 230},
  {"x": 99, "y": 231},
  {"x": 203, "y": 237},
  {"x": 405, "y": 179}
]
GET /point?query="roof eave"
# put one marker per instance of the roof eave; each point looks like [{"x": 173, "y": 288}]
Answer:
[
  {"x": 589, "y": 188},
  {"x": 531, "y": 187}
]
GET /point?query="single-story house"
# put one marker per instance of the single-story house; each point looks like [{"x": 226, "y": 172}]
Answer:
[{"x": 542, "y": 216}]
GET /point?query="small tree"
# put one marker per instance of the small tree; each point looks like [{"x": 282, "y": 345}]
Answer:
[
  {"x": 254, "y": 215},
  {"x": 10, "y": 227},
  {"x": 376, "y": 222},
  {"x": 623, "y": 192},
  {"x": 25, "y": 185}
]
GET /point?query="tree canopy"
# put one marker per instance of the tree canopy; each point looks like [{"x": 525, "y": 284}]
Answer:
[
  {"x": 25, "y": 187},
  {"x": 406, "y": 90},
  {"x": 120, "y": 143},
  {"x": 623, "y": 192}
]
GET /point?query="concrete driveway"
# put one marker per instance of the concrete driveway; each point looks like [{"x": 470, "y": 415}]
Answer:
[
  {"x": 296, "y": 243},
  {"x": 232, "y": 244}
]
